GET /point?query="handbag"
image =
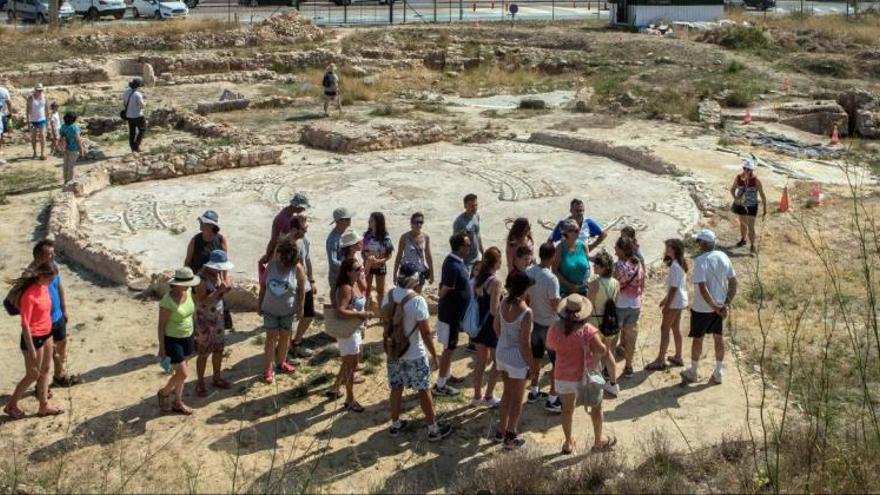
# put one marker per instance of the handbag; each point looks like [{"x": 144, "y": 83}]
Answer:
[
  {"x": 340, "y": 328},
  {"x": 592, "y": 385},
  {"x": 124, "y": 113}
]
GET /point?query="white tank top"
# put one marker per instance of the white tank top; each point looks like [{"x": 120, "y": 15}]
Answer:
[{"x": 38, "y": 109}]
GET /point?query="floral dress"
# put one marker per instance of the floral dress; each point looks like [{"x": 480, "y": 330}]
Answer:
[{"x": 210, "y": 324}]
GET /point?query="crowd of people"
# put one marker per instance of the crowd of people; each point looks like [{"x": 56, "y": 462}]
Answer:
[{"x": 571, "y": 303}]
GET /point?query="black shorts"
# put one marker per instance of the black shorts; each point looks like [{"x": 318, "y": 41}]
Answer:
[
  {"x": 751, "y": 211},
  {"x": 38, "y": 342},
  {"x": 178, "y": 349},
  {"x": 330, "y": 94},
  {"x": 379, "y": 270},
  {"x": 539, "y": 343},
  {"x": 703, "y": 323},
  {"x": 309, "y": 305},
  {"x": 59, "y": 330}
]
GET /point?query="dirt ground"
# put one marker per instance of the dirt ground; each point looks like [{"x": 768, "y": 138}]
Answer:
[{"x": 287, "y": 437}]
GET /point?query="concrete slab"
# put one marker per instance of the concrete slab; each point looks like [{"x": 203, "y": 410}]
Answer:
[{"x": 155, "y": 220}]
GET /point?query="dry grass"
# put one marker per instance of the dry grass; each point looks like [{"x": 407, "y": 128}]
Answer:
[{"x": 863, "y": 30}]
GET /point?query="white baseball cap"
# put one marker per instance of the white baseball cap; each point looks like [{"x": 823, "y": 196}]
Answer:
[
  {"x": 748, "y": 165},
  {"x": 706, "y": 235}
]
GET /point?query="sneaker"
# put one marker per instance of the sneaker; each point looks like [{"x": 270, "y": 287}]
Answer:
[
  {"x": 535, "y": 396},
  {"x": 285, "y": 368},
  {"x": 554, "y": 407},
  {"x": 513, "y": 443},
  {"x": 492, "y": 403},
  {"x": 399, "y": 427},
  {"x": 454, "y": 379},
  {"x": 269, "y": 376},
  {"x": 716, "y": 378},
  {"x": 442, "y": 431},
  {"x": 627, "y": 372},
  {"x": 477, "y": 403},
  {"x": 612, "y": 390},
  {"x": 304, "y": 352},
  {"x": 447, "y": 391},
  {"x": 689, "y": 376}
]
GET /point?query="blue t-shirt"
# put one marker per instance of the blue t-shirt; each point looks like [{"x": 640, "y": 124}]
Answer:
[
  {"x": 69, "y": 133},
  {"x": 55, "y": 295},
  {"x": 589, "y": 230},
  {"x": 454, "y": 275}
]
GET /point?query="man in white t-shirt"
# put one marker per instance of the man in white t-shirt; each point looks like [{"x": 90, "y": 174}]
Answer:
[
  {"x": 413, "y": 369},
  {"x": 714, "y": 289},
  {"x": 5, "y": 110},
  {"x": 543, "y": 299},
  {"x": 133, "y": 106}
]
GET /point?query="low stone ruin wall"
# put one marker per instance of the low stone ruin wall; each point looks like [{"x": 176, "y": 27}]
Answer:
[
  {"x": 220, "y": 106},
  {"x": 65, "y": 76},
  {"x": 638, "y": 158},
  {"x": 120, "y": 267},
  {"x": 380, "y": 137},
  {"x": 198, "y": 125}
]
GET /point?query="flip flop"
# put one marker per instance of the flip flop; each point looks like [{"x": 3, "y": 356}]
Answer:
[
  {"x": 675, "y": 361},
  {"x": 201, "y": 390},
  {"x": 655, "y": 366},
  {"x": 353, "y": 407},
  {"x": 14, "y": 412},
  {"x": 50, "y": 411}
]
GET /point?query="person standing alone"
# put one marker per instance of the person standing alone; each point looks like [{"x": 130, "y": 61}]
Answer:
[
  {"x": 330, "y": 83},
  {"x": 36, "y": 110},
  {"x": 72, "y": 145},
  {"x": 133, "y": 99}
]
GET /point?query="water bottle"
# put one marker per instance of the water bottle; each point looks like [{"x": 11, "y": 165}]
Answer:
[{"x": 166, "y": 365}]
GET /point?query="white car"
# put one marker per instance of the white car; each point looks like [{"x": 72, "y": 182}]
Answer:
[
  {"x": 95, "y": 9},
  {"x": 159, "y": 9}
]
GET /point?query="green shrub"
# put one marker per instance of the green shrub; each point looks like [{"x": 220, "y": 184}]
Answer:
[{"x": 746, "y": 38}]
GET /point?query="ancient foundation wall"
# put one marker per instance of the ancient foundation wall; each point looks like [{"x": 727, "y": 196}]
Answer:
[
  {"x": 378, "y": 138},
  {"x": 639, "y": 158}
]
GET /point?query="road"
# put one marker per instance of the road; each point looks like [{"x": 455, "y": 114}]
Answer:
[{"x": 441, "y": 11}]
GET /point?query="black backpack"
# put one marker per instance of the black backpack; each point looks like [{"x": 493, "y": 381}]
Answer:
[
  {"x": 608, "y": 325},
  {"x": 328, "y": 80}
]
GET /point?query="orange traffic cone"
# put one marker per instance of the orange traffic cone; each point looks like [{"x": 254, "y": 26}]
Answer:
[
  {"x": 783, "y": 201},
  {"x": 816, "y": 195},
  {"x": 748, "y": 118},
  {"x": 835, "y": 135}
]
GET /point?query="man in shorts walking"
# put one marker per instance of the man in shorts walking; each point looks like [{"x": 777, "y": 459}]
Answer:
[
  {"x": 454, "y": 295},
  {"x": 330, "y": 83},
  {"x": 413, "y": 369},
  {"x": 714, "y": 290},
  {"x": 543, "y": 299},
  {"x": 44, "y": 252}
]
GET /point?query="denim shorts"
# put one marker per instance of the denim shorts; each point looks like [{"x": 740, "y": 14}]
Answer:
[
  {"x": 39, "y": 124},
  {"x": 178, "y": 349},
  {"x": 628, "y": 316},
  {"x": 275, "y": 322},
  {"x": 413, "y": 374}
]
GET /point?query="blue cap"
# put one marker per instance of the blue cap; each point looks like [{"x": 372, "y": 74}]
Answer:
[{"x": 219, "y": 261}]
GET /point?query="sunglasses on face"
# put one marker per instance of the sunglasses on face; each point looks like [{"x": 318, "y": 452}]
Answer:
[{"x": 418, "y": 222}]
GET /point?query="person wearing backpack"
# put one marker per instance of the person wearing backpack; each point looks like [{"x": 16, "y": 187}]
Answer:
[
  {"x": 603, "y": 292},
  {"x": 672, "y": 305},
  {"x": 330, "y": 84},
  {"x": 408, "y": 345},
  {"x": 30, "y": 297},
  {"x": 72, "y": 144}
]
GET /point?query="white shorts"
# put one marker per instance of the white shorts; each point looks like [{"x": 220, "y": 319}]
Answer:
[
  {"x": 512, "y": 371},
  {"x": 350, "y": 346},
  {"x": 443, "y": 331},
  {"x": 564, "y": 387}
]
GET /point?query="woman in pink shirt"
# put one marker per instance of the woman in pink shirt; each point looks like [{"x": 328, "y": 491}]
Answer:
[
  {"x": 576, "y": 344},
  {"x": 30, "y": 294}
]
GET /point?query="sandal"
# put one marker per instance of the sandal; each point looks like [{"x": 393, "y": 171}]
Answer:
[
  {"x": 221, "y": 383},
  {"x": 66, "y": 381},
  {"x": 605, "y": 446},
  {"x": 655, "y": 366},
  {"x": 50, "y": 411},
  {"x": 201, "y": 390},
  {"x": 567, "y": 450},
  {"x": 353, "y": 407},
  {"x": 675, "y": 361},
  {"x": 182, "y": 409},
  {"x": 14, "y": 412}
]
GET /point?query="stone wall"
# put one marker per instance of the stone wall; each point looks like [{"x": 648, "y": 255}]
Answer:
[
  {"x": 818, "y": 117},
  {"x": 122, "y": 268},
  {"x": 64, "y": 76},
  {"x": 639, "y": 158},
  {"x": 380, "y": 137},
  {"x": 200, "y": 126}
]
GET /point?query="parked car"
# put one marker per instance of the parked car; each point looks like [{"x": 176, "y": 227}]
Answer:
[
  {"x": 760, "y": 4},
  {"x": 349, "y": 2},
  {"x": 191, "y": 4},
  {"x": 95, "y": 9},
  {"x": 159, "y": 9},
  {"x": 36, "y": 10}
]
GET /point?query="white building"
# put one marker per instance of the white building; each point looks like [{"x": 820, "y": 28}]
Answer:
[{"x": 641, "y": 13}]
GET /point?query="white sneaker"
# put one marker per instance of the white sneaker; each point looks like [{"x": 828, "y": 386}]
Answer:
[
  {"x": 492, "y": 403},
  {"x": 478, "y": 403},
  {"x": 689, "y": 375},
  {"x": 612, "y": 390},
  {"x": 717, "y": 377}
]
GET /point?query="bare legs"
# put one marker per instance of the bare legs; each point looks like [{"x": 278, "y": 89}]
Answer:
[
  {"x": 175, "y": 385},
  {"x": 483, "y": 355},
  {"x": 37, "y": 369},
  {"x": 380, "y": 289},
  {"x": 568, "y": 403},
  {"x": 59, "y": 357},
  {"x": 628, "y": 336},
  {"x": 671, "y": 323},
  {"x": 511, "y": 403},
  {"x": 425, "y": 401},
  {"x": 38, "y": 135},
  {"x": 216, "y": 368},
  {"x": 275, "y": 351}
]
